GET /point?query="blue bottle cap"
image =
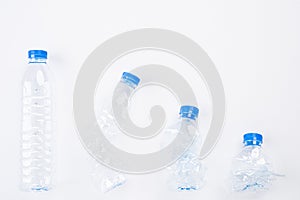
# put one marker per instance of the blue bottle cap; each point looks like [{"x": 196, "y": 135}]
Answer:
[
  {"x": 130, "y": 78},
  {"x": 37, "y": 54},
  {"x": 253, "y": 139},
  {"x": 190, "y": 112}
]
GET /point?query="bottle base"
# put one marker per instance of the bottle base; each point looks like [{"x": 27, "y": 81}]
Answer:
[{"x": 35, "y": 188}]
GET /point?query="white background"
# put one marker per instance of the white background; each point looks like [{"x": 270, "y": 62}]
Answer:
[{"x": 254, "y": 44}]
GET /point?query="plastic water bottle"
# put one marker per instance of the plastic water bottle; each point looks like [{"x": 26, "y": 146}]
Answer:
[
  {"x": 251, "y": 171},
  {"x": 105, "y": 178},
  {"x": 188, "y": 172},
  {"x": 36, "y": 130}
]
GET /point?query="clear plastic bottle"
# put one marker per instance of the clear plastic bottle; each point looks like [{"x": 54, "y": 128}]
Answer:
[
  {"x": 188, "y": 172},
  {"x": 251, "y": 171},
  {"x": 36, "y": 130},
  {"x": 107, "y": 179}
]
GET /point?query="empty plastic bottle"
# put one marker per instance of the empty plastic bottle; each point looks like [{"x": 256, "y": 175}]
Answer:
[
  {"x": 188, "y": 172},
  {"x": 251, "y": 171},
  {"x": 105, "y": 178},
  {"x": 36, "y": 130}
]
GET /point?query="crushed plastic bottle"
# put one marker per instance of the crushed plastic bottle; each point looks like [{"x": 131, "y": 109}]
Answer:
[
  {"x": 188, "y": 172},
  {"x": 107, "y": 179},
  {"x": 37, "y": 133},
  {"x": 251, "y": 171}
]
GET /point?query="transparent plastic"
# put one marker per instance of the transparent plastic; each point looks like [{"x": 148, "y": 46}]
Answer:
[
  {"x": 36, "y": 130},
  {"x": 188, "y": 172},
  {"x": 103, "y": 177},
  {"x": 107, "y": 179},
  {"x": 251, "y": 171}
]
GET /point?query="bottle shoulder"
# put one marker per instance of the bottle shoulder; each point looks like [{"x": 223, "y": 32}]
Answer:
[
  {"x": 251, "y": 151},
  {"x": 37, "y": 72},
  {"x": 252, "y": 154}
]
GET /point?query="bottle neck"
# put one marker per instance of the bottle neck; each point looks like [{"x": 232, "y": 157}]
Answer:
[
  {"x": 188, "y": 116},
  {"x": 129, "y": 83},
  {"x": 252, "y": 143},
  {"x": 188, "y": 120},
  {"x": 37, "y": 60}
]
